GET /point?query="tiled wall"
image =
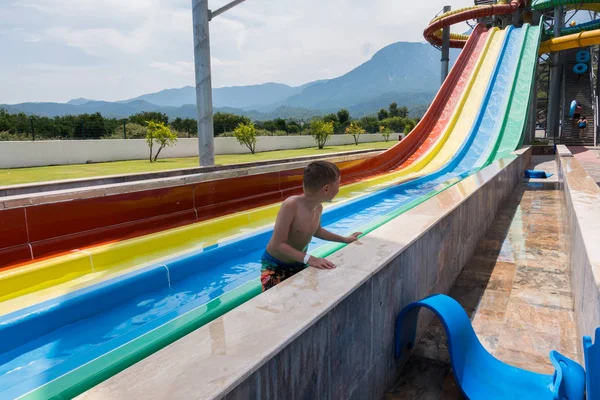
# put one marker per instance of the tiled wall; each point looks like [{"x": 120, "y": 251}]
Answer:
[
  {"x": 582, "y": 202},
  {"x": 348, "y": 353}
]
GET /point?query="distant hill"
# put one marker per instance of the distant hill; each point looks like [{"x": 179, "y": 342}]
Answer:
[
  {"x": 405, "y": 73},
  {"x": 245, "y": 97},
  {"x": 405, "y": 68},
  {"x": 79, "y": 101}
]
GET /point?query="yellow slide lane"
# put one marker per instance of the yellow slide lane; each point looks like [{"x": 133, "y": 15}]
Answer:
[{"x": 44, "y": 280}]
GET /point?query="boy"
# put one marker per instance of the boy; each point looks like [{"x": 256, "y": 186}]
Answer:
[{"x": 299, "y": 219}]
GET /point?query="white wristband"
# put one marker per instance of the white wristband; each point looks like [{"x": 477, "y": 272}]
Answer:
[{"x": 306, "y": 258}]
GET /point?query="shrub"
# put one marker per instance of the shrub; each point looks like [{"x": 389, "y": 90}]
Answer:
[
  {"x": 355, "y": 130},
  {"x": 385, "y": 132},
  {"x": 160, "y": 134},
  {"x": 246, "y": 135},
  {"x": 395, "y": 124},
  {"x": 321, "y": 131},
  {"x": 7, "y": 136}
]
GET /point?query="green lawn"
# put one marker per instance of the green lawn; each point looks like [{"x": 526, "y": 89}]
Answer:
[{"x": 41, "y": 174}]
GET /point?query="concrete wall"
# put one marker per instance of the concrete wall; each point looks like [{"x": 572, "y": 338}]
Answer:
[
  {"x": 329, "y": 334},
  {"x": 63, "y": 152},
  {"x": 582, "y": 202},
  {"x": 159, "y": 177}
]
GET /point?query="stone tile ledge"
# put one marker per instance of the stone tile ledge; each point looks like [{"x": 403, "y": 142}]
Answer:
[
  {"x": 563, "y": 151},
  {"x": 86, "y": 192},
  {"x": 223, "y": 355},
  {"x": 582, "y": 202},
  {"x": 585, "y": 195}
]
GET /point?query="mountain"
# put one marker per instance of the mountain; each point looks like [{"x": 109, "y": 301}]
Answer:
[
  {"x": 79, "y": 101},
  {"x": 245, "y": 97},
  {"x": 405, "y": 73},
  {"x": 108, "y": 109},
  {"x": 405, "y": 68}
]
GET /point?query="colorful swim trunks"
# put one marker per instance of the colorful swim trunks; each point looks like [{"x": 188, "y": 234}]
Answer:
[{"x": 274, "y": 271}]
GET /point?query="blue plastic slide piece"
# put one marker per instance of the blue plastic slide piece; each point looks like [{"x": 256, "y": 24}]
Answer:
[
  {"x": 529, "y": 173},
  {"x": 592, "y": 365},
  {"x": 479, "y": 374}
]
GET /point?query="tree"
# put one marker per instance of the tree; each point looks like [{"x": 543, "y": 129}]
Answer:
[
  {"x": 280, "y": 124},
  {"x": 394, "y": 111},
  {"x": 385, "y": 132},
  {"x": 177, "y": 124},
  {"x": 382, "y": 114},
  {"x": 343, "y": 116},
  {"x": 135, "y": 131},
  {"x": 321, "y": 131},
  {"x": 293, "y": 127},
  {"x": 160, "y": 134},
  {"x": 187, "y": 125},
  {"x": 410, "y": 125},
  {"x": 142, "y": 118},
  {"x": 90, "y": 127},
  {"x": 396, "y": 124},
  {"x": 246, "y": 135},
  {"x": 355, "y": 130},
  {"x": 226, "y": 122},
  {"x": 370, "y": 124},
  {"x": 403, "y": 112}
]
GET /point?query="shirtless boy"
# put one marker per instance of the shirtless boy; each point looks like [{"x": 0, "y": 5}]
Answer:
[{"x": 299, "y": 219}]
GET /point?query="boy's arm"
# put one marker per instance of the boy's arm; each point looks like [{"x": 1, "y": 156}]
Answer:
[{"x": 324, "y": 234}]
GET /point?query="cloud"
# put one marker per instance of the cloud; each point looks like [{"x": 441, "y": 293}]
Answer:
[
  {"x": 178, "y": 67},
  {"x": 139, "y": 46}
]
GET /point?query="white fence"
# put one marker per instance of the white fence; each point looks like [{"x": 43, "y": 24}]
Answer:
[{"x": 64, "y": 152}]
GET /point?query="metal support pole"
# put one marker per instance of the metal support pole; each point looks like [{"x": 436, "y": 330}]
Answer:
[
  {"x": 124, "y": 129},
  {"x": 226, "y": 7},
  {"x": 445, "y": 47},
  {"x": 32, "y": 129},
  {"x": 206, "y": 147},
  {"x": 555, "y": 80}
]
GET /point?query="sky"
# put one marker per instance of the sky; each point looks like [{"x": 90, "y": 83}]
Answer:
[{"x": 57, "y": 50}]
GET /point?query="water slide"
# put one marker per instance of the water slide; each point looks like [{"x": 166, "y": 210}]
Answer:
[
  {"x": 582, "y": 35},
  {"x": 50, "y": 229},
  {"x": 90, "y": 323},
  {"x": 101, "y": 261},
  {"x": 433, "y": 33}
]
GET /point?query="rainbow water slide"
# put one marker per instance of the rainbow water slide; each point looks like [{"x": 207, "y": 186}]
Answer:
[
  {"x": 39, "y": 231},
  {"x": 76, "y": 336},
  {"x": 101, "y": 261},
  {"x": 582, "y": 35}
]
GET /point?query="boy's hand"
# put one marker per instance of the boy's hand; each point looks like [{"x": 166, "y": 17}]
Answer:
[
  {"x": 320, "y": 263},
  {"x": 353, "y": 237}
]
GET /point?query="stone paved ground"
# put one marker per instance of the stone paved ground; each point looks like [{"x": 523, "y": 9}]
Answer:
[
  {"x": 516, "y": 290},
  {"x": 589, "y": 158}
]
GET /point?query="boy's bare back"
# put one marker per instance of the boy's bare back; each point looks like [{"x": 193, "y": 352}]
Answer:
[{"x": 296, "y": 224}]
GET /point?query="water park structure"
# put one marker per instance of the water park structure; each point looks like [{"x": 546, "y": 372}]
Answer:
[{"x": 151, "y": 289}]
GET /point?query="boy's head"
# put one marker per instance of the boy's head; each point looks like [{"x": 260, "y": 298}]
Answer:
[{"x": 322, "y": 178}]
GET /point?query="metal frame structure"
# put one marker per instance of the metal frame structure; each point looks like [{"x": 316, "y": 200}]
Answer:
[{"x": 201, "y": 15}]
